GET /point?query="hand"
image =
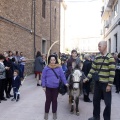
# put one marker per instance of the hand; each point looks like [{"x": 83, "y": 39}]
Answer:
[
  {"x": 85, "y": 80},
  {"x": 108, "y": 88},
  {"x": 7, "y": 68},
  {"x": 44, "y": 88},
  {"x": 67, "y": 84}
]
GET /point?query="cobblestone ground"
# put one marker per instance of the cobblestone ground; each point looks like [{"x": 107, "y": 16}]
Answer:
[{"x": 31, "y": 105}]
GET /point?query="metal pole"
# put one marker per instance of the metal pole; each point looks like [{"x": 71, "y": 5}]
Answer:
[
  {"x": 59, "y": 25},
  {"x": 34, "y": 2},
  {"x": 50, "y": 25}
]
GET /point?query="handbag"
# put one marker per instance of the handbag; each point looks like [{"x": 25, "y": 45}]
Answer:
[
  {"x": 62, "y": 89},
  {"x": 95, "y": 75}
]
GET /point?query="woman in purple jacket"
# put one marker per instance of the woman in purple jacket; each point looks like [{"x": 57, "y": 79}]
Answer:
[{"x": 50, "y": 84}]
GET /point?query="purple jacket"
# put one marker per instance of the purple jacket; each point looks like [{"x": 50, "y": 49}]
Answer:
[{"x": 49, "y": 78}]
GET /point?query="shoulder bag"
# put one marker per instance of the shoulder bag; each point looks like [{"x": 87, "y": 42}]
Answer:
[
  {"x": 95, "y": 75},
  {"x": 62, "y": 89}
]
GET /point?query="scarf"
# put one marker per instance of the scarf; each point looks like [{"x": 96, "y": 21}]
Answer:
[{"x": 54, "y": 65}]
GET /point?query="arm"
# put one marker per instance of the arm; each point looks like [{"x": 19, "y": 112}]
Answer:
[
  {"x": 43, "y": 77},
  {"x": 69, "y": 65},
  {"x": 41, "y": 61},
  {"x": 112, "y": 71},
  {"x": 2, "y": 69},
  {"x": 92, "y": 70},
  {"x": 62, "y": 76}
]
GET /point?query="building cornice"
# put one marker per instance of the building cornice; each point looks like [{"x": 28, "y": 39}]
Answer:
[{"x": 112, "y": 28}]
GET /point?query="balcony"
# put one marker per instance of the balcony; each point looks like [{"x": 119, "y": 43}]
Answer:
[
  {"x": 110, "y": 3},
  {"x": 106, "y": 25},
  {"x": 107, "y": 8}
]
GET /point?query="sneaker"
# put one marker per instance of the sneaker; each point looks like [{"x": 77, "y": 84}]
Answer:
[
  {"x": 10, "y": 95},
  {"x": 4, "y": 99},
  {"x": 17, "y": 100}
]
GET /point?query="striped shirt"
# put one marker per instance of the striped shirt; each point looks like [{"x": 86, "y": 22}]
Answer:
[{"x": 107, "y": 72}]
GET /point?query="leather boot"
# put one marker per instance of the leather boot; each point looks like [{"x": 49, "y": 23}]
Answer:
[
  {"x": 54, "y": 116},
  {"x": 46, "y": 116}
]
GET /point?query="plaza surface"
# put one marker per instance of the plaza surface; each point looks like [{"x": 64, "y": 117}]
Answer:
[{"x": 31, "y": 105}]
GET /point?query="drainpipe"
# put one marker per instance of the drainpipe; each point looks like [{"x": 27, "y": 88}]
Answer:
[
  {"x": 59, "y": 24},
  {"x": 50, "y": 25},
  {"x": 34, "y": 4}
]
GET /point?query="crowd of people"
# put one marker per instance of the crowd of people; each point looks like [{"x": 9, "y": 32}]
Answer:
[
  {"x": 106, "y": 64},
  {"x": 11, "y": 73},
  {"x": 49, "y": 72}
]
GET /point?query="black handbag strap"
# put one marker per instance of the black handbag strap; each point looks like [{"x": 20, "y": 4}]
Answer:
[
  {"x": 55, "y": 73},
  {"x": 102, "y": 63}
]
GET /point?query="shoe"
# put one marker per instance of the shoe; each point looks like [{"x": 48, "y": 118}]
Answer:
[
  {"x": 10, "y": 95},
  {"x": 17, "y": 100},
  {"x": 0, "y": 101},
  {"x": 4, "y": 99},
  {"x": 38, "y": 85},
  {"x": 93, "y": 118},
  {"x": 54, "y": 116},
  {"x": 46, "y": 116},
  {"x": 87, "y": 100},
  {"x": 13, "y": 99},
  {"x": 117, "y": 91},
  {"x": 7, "y": 96}
]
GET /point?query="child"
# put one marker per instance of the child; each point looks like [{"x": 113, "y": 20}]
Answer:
[{"x": 16, "y": 82}]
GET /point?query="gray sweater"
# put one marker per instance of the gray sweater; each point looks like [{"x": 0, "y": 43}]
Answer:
[
  {"x": 2, "y": 72},
  {"x": 39, "y": 64}
]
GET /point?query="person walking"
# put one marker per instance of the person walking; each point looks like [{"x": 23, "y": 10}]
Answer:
[
  {"x": 9, "y": 75},
  {"x": 50, "y": 84},
  {"x": 117, "y": 74},
  {"x": 104, "y": 85},
  {"x": 86, "y": 68},
  {"x": 2, "y": 77},
  {"x": 39, "y": 65}
]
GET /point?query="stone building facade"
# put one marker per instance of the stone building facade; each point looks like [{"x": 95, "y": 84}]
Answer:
[
  {"x": 28, "y": 26},
  {"x": 111, "y": 24}
]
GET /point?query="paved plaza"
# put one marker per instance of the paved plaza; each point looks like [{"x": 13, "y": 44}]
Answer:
[{"x": 31, "y": 105}]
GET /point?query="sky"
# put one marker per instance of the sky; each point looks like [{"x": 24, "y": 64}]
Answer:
[{"x": 83, "y": 19}]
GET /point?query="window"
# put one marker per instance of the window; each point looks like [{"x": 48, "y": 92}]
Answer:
[
  {"x": 43, "y": 8},
  {"x": 109, "y": 45},
  {"x": 115, "y": 42},
  {"x": 116, "y": 9},
  {"x": 44, "y": 46},
  {"x": 55, "y": 18}
]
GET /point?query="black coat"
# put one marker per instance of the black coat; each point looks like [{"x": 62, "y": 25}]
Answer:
[
  {"x": 17, "y": 82},
  {"x": 8, "y": 63},
  {"x": 86, "y": 67}
]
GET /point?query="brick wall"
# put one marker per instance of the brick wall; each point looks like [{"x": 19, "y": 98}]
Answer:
[{"x": 15, "y": 31}]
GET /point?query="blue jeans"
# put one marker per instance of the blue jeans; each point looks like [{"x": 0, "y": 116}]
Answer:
[
  {"x": 22, "y": 71},
  {"x": 15, "y": 92}
]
